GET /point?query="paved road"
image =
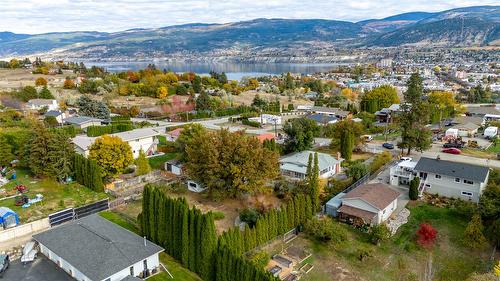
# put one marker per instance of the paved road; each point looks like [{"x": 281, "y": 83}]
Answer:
[{"x": 41, "y": 269}]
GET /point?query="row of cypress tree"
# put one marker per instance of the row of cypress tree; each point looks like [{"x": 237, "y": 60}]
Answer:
[
  {"x": 190, "y": 236},
  {"x": 87, "y": 173},
  {"x": 186, "y": 234},
  {"x": 96, "y": 131}
]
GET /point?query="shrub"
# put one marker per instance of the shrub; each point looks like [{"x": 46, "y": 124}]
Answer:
[
  {"x": 379, "y": 233},
  {"x": 380, "y": 160},
  {"x": 218, "y": 215},
  {"x": 426, "y": 235},
  {"x": 249, "y": 216},
  {"x": 473, "y": 235},
  {"x": 250, "y": 123},
  {"x": 260, "y": 259},
  {"x": 326, "y": 230}
]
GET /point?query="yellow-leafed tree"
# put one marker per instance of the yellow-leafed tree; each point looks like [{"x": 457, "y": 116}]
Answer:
[{"x": 112, "y": 154}]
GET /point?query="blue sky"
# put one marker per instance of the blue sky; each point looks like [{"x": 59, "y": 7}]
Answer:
[{"x": 40, "y": 16}]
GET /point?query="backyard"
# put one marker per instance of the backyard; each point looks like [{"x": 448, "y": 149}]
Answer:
[
  {"x": 157, "y": 162},
  {"x": 401, "y": 258},
  {"x": 56, "y": 196}
]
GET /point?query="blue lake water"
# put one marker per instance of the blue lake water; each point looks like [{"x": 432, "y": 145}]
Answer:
[{"x": 234, "y": 71}]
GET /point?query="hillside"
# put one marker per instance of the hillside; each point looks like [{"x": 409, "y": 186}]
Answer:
[{"x": 471, "y": 26}]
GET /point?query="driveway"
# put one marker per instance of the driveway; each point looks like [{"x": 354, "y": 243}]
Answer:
[{"x": 41, "y": 269}]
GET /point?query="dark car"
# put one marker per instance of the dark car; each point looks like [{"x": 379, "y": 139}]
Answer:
[
  {"x": 453, "y": 145},
  {"x": 4, "y": 264},
  {"x": 388, "y": 145}
]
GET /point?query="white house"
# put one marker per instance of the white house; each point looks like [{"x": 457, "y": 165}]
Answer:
[
  {"x": 451, "y": 179},
  {"x": 368, "y": 204},
  {"x": 294, "y": 165},
  {"x": 402, "y": 173},
  {"x": 95, "y": 249},
  {"x": 145, "y": 139},
  {"x": 59, "y": 115},
  {"x": 265, "y": 119},
  {"x": 37, "y": 104}
]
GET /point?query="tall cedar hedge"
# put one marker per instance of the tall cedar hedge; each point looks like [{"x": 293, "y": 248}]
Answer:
[
  {"x": 190, "y": 236},
  {"x": 87, "y": 173},
  {"x": 96, "y": 131}
]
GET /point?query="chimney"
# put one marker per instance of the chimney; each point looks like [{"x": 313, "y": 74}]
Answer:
[{"x": 145, "y": 241}]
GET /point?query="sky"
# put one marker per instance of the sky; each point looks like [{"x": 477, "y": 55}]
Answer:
[{"x": 41, "y": 16}]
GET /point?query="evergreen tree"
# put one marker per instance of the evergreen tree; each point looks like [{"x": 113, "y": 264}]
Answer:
[
  {"x": 6, "y": 155},
  {"x": 473, "y": 235},
  {"x": 142, "y": 164}
]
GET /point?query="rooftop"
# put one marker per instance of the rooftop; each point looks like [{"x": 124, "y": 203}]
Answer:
[
  {"x": 78, "y": 120},
  {"x": 97, "y": 247},
  {"x": 452, "y": 169},
  {"x": 378, "y": 195},
  {"x": 297, "y": 162}
]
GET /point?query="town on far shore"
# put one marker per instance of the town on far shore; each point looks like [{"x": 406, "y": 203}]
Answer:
[{"x": 383, "y": 170}]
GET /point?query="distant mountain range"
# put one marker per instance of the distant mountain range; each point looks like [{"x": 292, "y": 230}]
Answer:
[{"x": 471, "y": 26}]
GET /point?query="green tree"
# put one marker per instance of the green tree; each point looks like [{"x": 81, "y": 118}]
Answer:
[
  {"x": 473, "y": 235},
  {"x": 88, "y": 107},
  {"x": 203, "y": 102},
  {"x": 326, "y": 230},
  {"x": 50, "y": 121},
  {"x": 301, "y": 133},
  {"x": 60, "y": 156},
  {"x": 357, "y": 171},
  {"x": 414, "y": 117},
  {"x": 46, "y": 94},
  {"x": 112, "y": 154},
  {"x": 142, "y": 164},
  {"x": 413, "y": 191},
  {"x": 188, "y": 134},
  {"x": 379, "y": 233},
  {"x": 197, "y": 86},
  {"x": 6, "y": 155},
  {"x": 348, "y": 133},
  {"x": 38, "y": 151}
]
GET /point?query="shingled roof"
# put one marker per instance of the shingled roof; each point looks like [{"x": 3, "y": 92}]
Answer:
[
  {"x": 378, "y": 195},
  {"x": 97, "y": 247},
  {"x": 452, "y": 169}
]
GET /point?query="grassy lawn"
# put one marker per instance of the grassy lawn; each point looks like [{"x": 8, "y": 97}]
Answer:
[
  {"x": 401, "y": 258},
  {"x": 178, "y": 272},
  {"x": 487, "y": 154},
  {"x": 158, "y": 161},
  {"x": 390, "y": 137},
  {"x": 162, "y": 139},
  {"x": 56, "y": 196},
  {"x": 494, "y": 148}
]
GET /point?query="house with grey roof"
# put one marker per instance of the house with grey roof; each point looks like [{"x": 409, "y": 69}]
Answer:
[
  {"x": 452, "y": 179},
  {"x": 330, "y": 111},
  {"x": 83, "y": 122},
  {"x": 95, "y": 249},
  {"x": 57, "y": 114},
  {"x": 294, "y": 165},
  {"x": 37, "y": 104}
]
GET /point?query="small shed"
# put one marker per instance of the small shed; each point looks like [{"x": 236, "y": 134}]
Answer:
[
  {"x": 333, "y": 205},
  {"x": 195, "y": 186},
  {"x": 174, "y": 166},
  {"x": 452, "y": 132},
  {"x": 8, "y": 218}
]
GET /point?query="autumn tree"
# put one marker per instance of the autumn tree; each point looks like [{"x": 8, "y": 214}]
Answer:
[
  {"x": 142, "y": 164},
  {"x": 40, "y": 81},
  {"x": 189, "y": 133},
  {"x": 229, "y": 163},
  {"x": 161, "y": 92},
  {"x": 442, "y": 105},
  {"x": 112, "y": 154},
  {"x": 426, "y": 235},
  {"x": 68, "y": 83},
  {"x": 378, "y": 98}
]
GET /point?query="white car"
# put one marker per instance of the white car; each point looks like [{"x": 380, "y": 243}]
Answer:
[{"x": 405, "y": 159}]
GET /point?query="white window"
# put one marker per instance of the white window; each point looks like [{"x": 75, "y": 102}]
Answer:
[
  {"x": 427, "y": 185},
  {"x": 468, "y": 182},
  {"x": 457, "y": 179},
  {"x": 438, "y": 176},
  {"x": 467, "y": 193}
]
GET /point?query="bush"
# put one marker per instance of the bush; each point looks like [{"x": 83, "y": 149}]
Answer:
[
  {"x": 379, "y": 233},
  {"x": 218, "y": 215},
  {"x": 326, "y": 230},
  {"x": 250, "y": 123},
  {"x": 357, "y": 171},
  {"x": 260, "y": 259},
  {"x": 380, "y": 160},
  {"x": 249, "y": 216}
]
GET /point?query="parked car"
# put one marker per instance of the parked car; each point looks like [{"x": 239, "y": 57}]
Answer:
[
  {"x": 452, "y": 150},
  {"x": 405, "y": 159},
  {"x": 388, "y": 145},
  {"x": 453, "y": 145},
  {"x": 4, "y": 264}
]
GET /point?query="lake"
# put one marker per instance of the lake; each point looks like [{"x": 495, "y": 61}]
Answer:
[{"x": 234, "y": 71}]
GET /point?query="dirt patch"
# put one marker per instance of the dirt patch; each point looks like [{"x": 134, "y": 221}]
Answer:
[{"x": 247, "y": 97}]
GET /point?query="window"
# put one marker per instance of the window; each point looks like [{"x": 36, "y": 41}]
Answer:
[
  {"x": 438, "y": 176},
  {"x": 468, "y": 182},
  {"x": 457, "y": 179},
  {"x": 145, "y": 262},
  {"x": 131, "y": 271},
  {"x": 427, "y": 185},
  {"x": 467, "y": 193}
]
